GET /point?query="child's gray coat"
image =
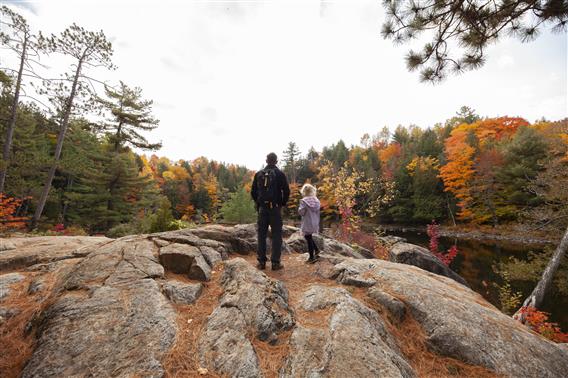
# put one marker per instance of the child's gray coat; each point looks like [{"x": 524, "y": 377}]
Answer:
[{"x": 310, "y": 212}]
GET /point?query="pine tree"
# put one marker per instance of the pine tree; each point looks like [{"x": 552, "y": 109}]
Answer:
[
  {"x": 467, "y": 25},
  {"x": 88, "y": 49},
  {"x": 130, "y": 115},
  {"x": 112, "y": 192},
  {"x": 163, "y": 219},
  {"x": 291, "y": 155},
  {"x": 16, "y": 35},
  {"x": 523, "y": 156}
]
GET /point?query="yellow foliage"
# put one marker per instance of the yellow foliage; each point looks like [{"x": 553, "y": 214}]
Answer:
[{"x": 423, "y": 164}]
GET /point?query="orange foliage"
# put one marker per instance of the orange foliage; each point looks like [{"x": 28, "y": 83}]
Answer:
[
  {"x": 538, "y": 322},
  {"x": 497, "y": 128},
  {"x": 462, "y": 156},
  {"x": 9, "y": 207},
  {"x": 458, "y": 172},
  {"x": 389, "y": 157},
  {"x": 212, "y": 188}
]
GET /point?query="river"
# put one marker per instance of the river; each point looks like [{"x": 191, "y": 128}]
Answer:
[{"x": 475, "y": 263}]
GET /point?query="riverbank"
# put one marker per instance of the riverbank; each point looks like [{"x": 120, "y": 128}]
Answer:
[{"x": 479, "y": 233}]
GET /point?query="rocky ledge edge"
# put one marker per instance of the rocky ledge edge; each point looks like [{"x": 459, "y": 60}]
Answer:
[{"x": 108, "y": 307}]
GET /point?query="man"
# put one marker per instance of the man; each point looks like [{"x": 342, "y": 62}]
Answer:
[{"x": 270, "y": 192}]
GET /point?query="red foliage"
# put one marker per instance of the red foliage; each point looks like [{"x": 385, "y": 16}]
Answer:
[
  {"x": 538, "y": 322},
  {"x": 433, "y": 231},
  {"x": 60, "y": 227}
]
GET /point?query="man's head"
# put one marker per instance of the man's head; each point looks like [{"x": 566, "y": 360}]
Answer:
[{"x": 271, "y": 159}]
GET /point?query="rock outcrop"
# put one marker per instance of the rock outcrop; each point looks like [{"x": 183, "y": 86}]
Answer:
[
  {"x": 352, "y": 341},
  {"x": 182, "y": 293},
  {"x": 6, "y": 282},
  {"x": 411, "y": 254},
  {"x": 251, "y": 303},
  {"x": 459, "y": 323},
  {"x": 122, "y": 307},
  {"x": 24, "y": 252}
]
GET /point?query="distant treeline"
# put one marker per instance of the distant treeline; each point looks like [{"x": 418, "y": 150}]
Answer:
[{"x": 467, "y": 169}]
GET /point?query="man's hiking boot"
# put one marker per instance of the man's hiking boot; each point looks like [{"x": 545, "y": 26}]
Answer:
[
  {"x": 312, "y": 260},
  {"x": 261, "y": 265},
  {"x": 277, "y": 266}
]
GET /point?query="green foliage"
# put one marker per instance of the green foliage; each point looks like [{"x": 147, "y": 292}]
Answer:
[
  {"x": 526, "y": 273},
  {"x": 510, "y": 300},
  {"x": 239, "y": 208},
  {"x": 291, "y": 156},
  {"x": 124, "y": 229},
  {"x": 201, "y": 200},
  {"x": 112, "y": 191},
  {"x": 522, "y": 164},
  {"x": 163, "y": 220},
  {"x": 130, "y": 114}
]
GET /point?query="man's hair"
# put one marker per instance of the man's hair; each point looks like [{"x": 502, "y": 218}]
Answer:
[{"x": 271, "y": 158}]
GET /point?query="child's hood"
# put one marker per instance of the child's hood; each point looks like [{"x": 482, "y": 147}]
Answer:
[{"x": 311, "y": 202}]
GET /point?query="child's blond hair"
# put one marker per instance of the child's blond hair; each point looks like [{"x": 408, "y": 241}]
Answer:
[{"x": 308, "y": 190}]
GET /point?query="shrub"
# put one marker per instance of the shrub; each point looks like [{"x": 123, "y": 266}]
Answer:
[
  {"x": 433, "y": 232},
  {"x": 538, "y": 322},
  {"x": 508, "y": 299},
  {"x": 121, "y": 230},
  {"x": 75, "y": 231},
  {"x": 8, "y": 210},
  {"x": 239, "y": 208},
  {"x": 163, "y": 219},
  {"x": 179, "y": 224}
]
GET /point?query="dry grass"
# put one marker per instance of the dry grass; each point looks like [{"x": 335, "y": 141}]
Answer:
[
  {"x": 410, "y": 336},
  {"x": 271, "y": 357},
  {"x": 183, "y": 360},
  {"x": 16, "y": 337},
  {"x": 411, "y": 340}
]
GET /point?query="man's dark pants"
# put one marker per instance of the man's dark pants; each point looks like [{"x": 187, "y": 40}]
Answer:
[{"x": 272, "y": 217}]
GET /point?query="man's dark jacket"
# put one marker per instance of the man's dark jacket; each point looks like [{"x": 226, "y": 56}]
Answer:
[{"x": 281, "y": 181}]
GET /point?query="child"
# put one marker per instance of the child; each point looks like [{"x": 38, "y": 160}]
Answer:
[{"x": 310, "y": 212}]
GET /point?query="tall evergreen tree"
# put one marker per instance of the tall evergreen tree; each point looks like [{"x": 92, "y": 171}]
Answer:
[
  {"x": 130, "y": 115},
  {"x": 291, "y": 156},
  {"x": 88, "y": 49},
  {"x": 112, "y": 192},
  {"x": 16, "y": 35},
  {"x": 523, "y": 156}
]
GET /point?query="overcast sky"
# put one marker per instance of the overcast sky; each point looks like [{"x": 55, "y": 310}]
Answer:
[{"x": 233, "y": 80}]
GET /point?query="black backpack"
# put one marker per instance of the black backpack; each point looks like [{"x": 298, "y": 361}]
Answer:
[{"x": 267, "y": 185}]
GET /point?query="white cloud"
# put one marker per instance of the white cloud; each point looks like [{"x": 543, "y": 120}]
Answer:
[{"x": 232, "y": 80}]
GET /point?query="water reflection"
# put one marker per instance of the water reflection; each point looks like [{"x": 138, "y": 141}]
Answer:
[{"x": 475, "y": 263}]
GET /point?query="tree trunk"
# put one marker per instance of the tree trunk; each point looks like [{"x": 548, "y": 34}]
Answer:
[
  {"x": 12, "y": 122},
  {"x": 450, "y": 210},
  {"x": 58, "y": 148},
  {"x": 536, "y": 298},
  {"x": 117, "y": 136}
]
